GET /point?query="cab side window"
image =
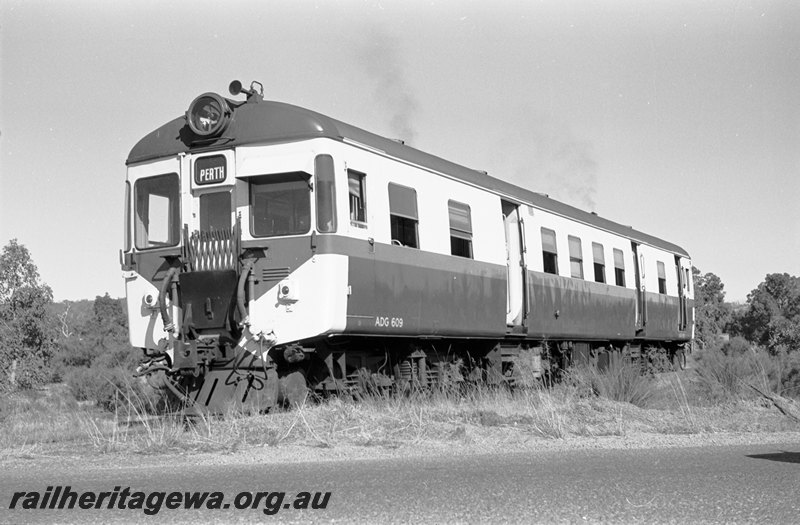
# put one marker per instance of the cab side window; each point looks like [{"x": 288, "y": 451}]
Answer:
[
  {"x": 324, "y": 174},
  {"x": 356, "y": 183}
]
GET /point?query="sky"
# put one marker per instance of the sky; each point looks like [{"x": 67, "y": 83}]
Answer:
[{"x": 680, "y": 118}]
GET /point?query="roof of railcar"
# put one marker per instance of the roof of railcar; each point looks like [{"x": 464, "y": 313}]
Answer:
[{"x": 274, "y": 122}]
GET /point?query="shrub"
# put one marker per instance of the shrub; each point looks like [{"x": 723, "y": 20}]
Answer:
[
  {"x": 5, "y": 407},
  {"x": 788, "y": 364},
  {"x": 736, "y": 347},
  {"x": 621, "y": 380},
  {"x": 724, "y": 373},
  {"x": 29, "y": 371},
  {"x": 656, "y": 360},
  {"x": 113, "y": 389}
]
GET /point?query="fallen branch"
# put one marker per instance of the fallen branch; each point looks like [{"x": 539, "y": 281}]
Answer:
[{"x": 786, "y": 406}]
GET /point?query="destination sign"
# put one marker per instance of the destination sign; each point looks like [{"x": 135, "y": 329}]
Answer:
[{"x": 210, "y": 170}]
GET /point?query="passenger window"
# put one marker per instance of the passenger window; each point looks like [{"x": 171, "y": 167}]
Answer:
[
  {"x": 549, "y": 251},
  {"x": 358, "y": 198},
  {"x": 575, "y": 257},
  {"x": 460, "y": 229},
  {"x": 599, "y": 263},
  {"x": 662, "y": 277},
  {"x": 157, "y": 211},
  {"x": 403, "y": 215},
  {"x": 619, "y": 267}
]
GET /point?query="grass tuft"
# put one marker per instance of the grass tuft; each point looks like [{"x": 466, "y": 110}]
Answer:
[{"x": 619, "y": 381}]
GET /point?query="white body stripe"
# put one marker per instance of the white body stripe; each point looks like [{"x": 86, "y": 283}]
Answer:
[{"x": 320, "y": 306}]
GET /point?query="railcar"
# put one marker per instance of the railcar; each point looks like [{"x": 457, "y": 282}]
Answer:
[{"x": 271, "y": 250}]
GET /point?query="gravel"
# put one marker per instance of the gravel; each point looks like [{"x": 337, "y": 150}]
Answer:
[{"x": 76, "y": 458}]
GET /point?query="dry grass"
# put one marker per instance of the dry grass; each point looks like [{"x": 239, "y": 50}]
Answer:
[
  {"x": 589, "y": 404},
  {"x": 620, "y": 381},
  {"x": 51, "y": 415}
]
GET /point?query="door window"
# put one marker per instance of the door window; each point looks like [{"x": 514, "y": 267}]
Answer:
[{"x": 215, "y": 211}]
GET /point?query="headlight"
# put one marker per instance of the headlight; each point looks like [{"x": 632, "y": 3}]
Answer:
[
  {"x": 150, "y": 301},
  {"x": 288, "y": 291},
  {"x": 208, "y": 115}
]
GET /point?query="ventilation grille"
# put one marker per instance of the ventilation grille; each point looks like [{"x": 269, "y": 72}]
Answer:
[{"x": 274, "y": 274}]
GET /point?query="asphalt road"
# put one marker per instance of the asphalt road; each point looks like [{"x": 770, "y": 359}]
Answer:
[{"x": 734, "y": 484}]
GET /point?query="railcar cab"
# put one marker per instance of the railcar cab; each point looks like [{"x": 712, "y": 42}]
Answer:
[{"x": 221, "y": 232}]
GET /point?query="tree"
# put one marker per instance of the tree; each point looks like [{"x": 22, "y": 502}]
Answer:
[
  {"x": 711, "y": 313},
  {"x": 26, "y": 327},
  {"x": 94, "y": 355},
  {"x": 109, "y": 333},
  {"x": 772, "y": 317},
  {"x": 17, "y": 270},
  {"x": 96, "y": 334}
]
